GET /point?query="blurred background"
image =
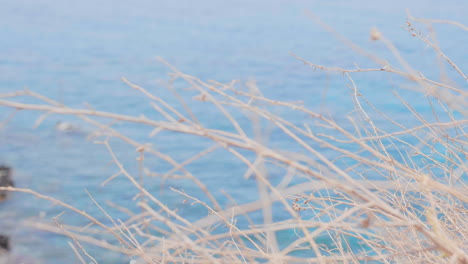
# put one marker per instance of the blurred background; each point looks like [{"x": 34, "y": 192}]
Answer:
[{"x": 77, "y": 52}]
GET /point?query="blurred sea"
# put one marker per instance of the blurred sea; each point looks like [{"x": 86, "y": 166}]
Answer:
[{"x": 77, "y": 51}]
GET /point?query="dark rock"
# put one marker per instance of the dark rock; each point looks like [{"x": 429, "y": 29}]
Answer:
[
  {"x": 5, "y": 180},
  {"x": 4, "y": 243}
]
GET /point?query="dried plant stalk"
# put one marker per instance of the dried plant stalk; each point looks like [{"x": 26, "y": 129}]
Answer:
[{"x": 415, "y": 213}]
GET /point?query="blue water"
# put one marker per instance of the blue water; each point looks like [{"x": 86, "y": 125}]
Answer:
[{"x": 76, "y": 53}]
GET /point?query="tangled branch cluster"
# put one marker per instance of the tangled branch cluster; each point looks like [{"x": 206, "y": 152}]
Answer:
[{"x": 415, "y": 213}]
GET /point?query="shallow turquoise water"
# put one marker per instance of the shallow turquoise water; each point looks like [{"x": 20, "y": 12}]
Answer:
[{"x": 77, "y": 53}]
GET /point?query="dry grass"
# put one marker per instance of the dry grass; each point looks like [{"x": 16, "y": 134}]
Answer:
[{"x": 338, "y": 212}]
